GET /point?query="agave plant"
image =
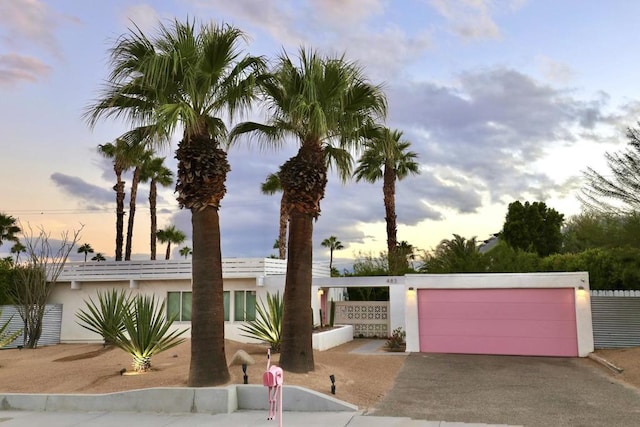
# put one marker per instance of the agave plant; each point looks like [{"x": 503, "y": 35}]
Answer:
[
  {"x": 146, "y": 332},
  {"x": 268, "y": 324},
  {"x": 6, "y": 337},
  {"x": 107, "y": 317}
]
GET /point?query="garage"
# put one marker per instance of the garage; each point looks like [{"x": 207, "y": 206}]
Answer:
[
  {"x": 532, "y": 322},
  {"x": 526, "y": 314}
]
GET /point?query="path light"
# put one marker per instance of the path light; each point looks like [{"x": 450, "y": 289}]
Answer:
[
  {"x": 242, "y": 358},
  {"x": 333, "y": 383}
]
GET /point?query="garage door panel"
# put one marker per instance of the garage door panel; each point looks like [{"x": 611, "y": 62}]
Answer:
[
  {"x": 489, "y": 328},
  {"x": 503, "y": 346},
  {"x": 506, "y": 311},
  {"x": 498, "y": 321}
]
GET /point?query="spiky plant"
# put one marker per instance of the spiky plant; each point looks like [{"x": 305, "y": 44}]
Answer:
[
  {"x": 146, "y": 332},
  {"x": 107, "y": 317},
  {"x": 7, "y": 337},
  {"x": 268, "y": 324}
]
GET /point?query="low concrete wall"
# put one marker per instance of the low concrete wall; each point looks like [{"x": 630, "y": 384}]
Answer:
[
  {"x": 328, "y": 339},
  {"x": 211, "y": 400}
]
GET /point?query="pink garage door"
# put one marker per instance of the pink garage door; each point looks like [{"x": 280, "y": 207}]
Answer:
[{"x": 533, "y": 322}]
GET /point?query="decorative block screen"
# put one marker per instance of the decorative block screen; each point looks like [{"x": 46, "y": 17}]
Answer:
[{"x": 369, "y": 318}]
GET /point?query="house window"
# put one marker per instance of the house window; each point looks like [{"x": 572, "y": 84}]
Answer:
[
  {"x": 244, "y": 307},
  {"x": 179, "y": 305}
]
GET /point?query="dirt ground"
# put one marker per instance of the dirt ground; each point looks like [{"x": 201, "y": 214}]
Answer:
[{"x": 90, "y": 368}]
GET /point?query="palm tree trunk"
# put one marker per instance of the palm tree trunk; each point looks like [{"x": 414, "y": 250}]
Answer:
[
  {"x": 168, "y": 254},
  {"x": 119, "y": 188},
  {"x": 282, "y": 232},
  {"x": 207, "y": 321},
  {"x": 389, "y": 192},
  {"x": 132, "y": 212},
  {"x": 296, "y": 350},
  {"x": 153, "y": 197}
]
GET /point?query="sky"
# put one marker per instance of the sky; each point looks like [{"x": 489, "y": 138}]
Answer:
[{"x": 502, "y": 100}]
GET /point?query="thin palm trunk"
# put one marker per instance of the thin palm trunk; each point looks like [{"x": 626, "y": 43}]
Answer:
[
  {"x": 153, "y": 197},
  {"x": 167, "y": 255},
  {"x": 296, "y": 350},
  {"x": 119, "y": 188},
  {"x": 282, "y": 231},
  {"x": 132, "y": 212},
  {"x": 389, "y": 192},
  {"x": 207, "y": 315}
]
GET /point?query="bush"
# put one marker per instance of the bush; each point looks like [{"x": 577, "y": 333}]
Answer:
[
  {"x": 396, "y": 340},
  {"x": 7, "y": 337},
  {"x": 268, "y": 324}
]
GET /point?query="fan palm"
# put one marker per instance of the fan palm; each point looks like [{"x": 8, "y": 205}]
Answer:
[
  {"x": 8, "y": 228},
  {"x": 185, "y": 251},
  {"x": 155, "y": 172},
  {"x": 386, "y": 157},
  {"x": 170, "y": 235},
  {"x": 85, "y": 249},
  {"x": 323, "y": 103},
  {"x": 99, "y": 256},
  {"x": 333, "y": 244},
  {"x": 187, "y": 77},
  {"x": 270, "y": 187},
  {"x": 17, "y": 249},
  {"x": 138, "y": 156}
]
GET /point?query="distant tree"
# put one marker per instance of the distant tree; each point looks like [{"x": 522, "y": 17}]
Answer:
[
  {"x": 457, "y": 255},
  {"x": 333, "y": 244},
  {"x": 17, "y": 249},
  {"x": 405, "y": 253},
  {"x": 599, "y": 229},
  {"x": 533, "y": 227},
  {"x": 8, "y": 228},
  {"x": 137, "y": 155},
  {"x": 170, "y": 235},
  {"x": 270, "y": 187},
  {"x": 618, "y": 190},
  {"x": 386, "y": 156},
  {"x": 155, "y": 172},
  {"x": 99, "y": 256},
  {"x": 185, "y": 251},
  {"x": 85, "y": 249}
]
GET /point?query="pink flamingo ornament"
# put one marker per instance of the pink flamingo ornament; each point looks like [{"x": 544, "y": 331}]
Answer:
[{"x": 273, "y": 379}]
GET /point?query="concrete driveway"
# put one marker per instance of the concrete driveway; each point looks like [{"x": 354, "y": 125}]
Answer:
[{"x": 529, "y": 391}]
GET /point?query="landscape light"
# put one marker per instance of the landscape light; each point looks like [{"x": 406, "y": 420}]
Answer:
[{"x": 333, "y": 383}]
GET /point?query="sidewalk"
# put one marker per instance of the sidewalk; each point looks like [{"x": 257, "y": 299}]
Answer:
[{"x": 236, "y": 419}]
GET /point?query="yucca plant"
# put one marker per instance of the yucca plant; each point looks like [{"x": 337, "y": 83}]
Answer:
[
  {"x": 107, "y": 317},
  {"x": 146, "y": 332},
  {"x": 7, "y": 337},
  {"x": 268, "y": 324}
]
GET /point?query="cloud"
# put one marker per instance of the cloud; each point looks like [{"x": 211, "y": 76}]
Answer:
[
  {"x": 143, "y": 15},
  {"x": 83, "y": 190},
  {"x": 555, "y": 71},
  {"x": 16, "y": 68}
]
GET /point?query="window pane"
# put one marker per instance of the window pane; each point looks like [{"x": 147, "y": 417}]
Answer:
[
  {"x": 173, "y": 305},
  {"x": 251, "y": 305},
  {"x": 227, "y": 297},
  {"x": 238, "y": 305},
  {"x": 186, "y": 306}
]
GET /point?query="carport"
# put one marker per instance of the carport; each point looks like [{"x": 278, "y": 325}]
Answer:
[{"x": 533, "y": 314}]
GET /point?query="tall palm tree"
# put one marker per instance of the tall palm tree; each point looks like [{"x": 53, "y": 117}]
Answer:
[
  {"x": 270, "y": 187},
  {"x": 155, "y": 172},
  {"x": 8, "y": 228},
  {"x": 333, "y": 244},
  {"x": 18, "y": 248},
  {"x": 185, "y": 251},
  {"x": 324, "y": 103},
  {"x": 170, "y": 235},
  {"x": 85, "y": 249},
  {"x": 386, "y": 157},
  {"x": 120, "y": 153},
  {"x": 188, "y": 77},
  {"x": 137, "y": 156}
]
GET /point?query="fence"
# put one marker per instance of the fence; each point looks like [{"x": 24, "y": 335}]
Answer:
[
  {"x": 368, "y": 318},
  {"x": 616, "y": 318},
  {"x": 51, "y": 324}
]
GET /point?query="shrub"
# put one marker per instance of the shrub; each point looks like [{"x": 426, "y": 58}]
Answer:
[
  {"x": 396, "y": 340},
  {"x": 7, "y": 337},
  {"x": 268, "y": 324}
]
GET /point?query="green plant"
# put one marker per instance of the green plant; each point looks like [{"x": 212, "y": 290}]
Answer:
[
  {"x": 107, "y": 317},
  {"x": 7, "y": 337},
  {"x": 268, "y": 324},
  {"x": 396, "y": 340},
  {"x": 332, "y": 313},
  {"x": 146, "y": 332}
]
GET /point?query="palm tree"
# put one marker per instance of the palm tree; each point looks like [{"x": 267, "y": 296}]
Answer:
[
  {"x": 185, "y": 251},
  {"x": 17, "y": 249},
  {"x": 170, "y": 235},
  {"x": 8, "y": 228},
  {"x": 188, "y": 78},
  {"x": 155, "y": 172},
  {"x": 333, "y": 244},
  {"x": 457, "y": 255},
  {"x": 324, "y": 103},
  {"x": 85, "y": 249},
  {"x": 120, "y": 153},
  {"x": 99, "y": 256},
  {"x": 386, "y": 157},
  {"x": 270, "y": 187},
  {"x": 405, "y": 253},
  {"x": 137, "y": 156}
]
